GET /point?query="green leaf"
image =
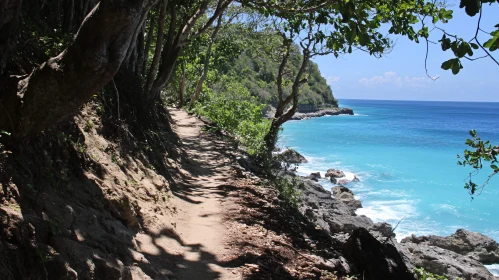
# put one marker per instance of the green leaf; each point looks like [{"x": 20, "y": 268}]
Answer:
[
  {"x": 472, "y": 7},
  {"x": 447, "y": 64},
  {"x": 493, "y": 166},
  {"x": 493, "y": 43}
]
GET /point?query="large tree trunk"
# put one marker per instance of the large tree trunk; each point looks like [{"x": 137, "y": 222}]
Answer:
[
  {"x": 159, "y": 43},
  {"x": 150, "y": 34},
  {"x": 9, "y": 13},
  {"x": 60, "y": 86}
]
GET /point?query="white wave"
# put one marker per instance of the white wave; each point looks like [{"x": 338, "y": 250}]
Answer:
[
  {"x": 493, "y": 268},
  {"x": 360, "y": 115},
  {"x": 387, "y": 193},
  {"x": 389, "y": 211},
  {"x": 446, "y": 208}
]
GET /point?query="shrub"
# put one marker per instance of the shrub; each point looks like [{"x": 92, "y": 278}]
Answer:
[
  {"x": 235, "y": 111},
  {"x": 422, "y": 274}
]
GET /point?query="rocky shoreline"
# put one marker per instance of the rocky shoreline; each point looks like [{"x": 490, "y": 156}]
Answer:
[
  {"x": 323, "y": 112},
  {"x": 461, "y": 255},
  {"x": 312, "y": 113},
  {"x": 371, "y": 247}
]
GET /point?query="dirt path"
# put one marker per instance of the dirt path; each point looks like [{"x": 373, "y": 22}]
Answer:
[{"x": 199, "y": 231}]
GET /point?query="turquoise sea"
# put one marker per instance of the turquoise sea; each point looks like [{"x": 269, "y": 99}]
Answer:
[{"x": 404, "y": 153}]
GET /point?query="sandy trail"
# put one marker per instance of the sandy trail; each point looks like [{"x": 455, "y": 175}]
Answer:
[{"x": 198, "y": 238}]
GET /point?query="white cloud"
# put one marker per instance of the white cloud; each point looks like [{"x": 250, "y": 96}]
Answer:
[
  {"x": 332, "y": 79},
  {"x": 392, "y": 78}
]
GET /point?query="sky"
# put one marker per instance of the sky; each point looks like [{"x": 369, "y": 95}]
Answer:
[{"x": 401, "y": 75}]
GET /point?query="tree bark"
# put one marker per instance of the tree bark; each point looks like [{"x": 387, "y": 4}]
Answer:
[
  {"x": 182, "y": 88},
  {"x": 159, "y": 43},
  {"x": 60, "y": 86},
  {"x": 280, "y": 116},
  {"x": 150, "y": 35},
  {"x": 9, "y": 14}
]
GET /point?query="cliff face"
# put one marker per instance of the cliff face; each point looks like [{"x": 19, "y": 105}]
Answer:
[{"x": 258, "y": 74}]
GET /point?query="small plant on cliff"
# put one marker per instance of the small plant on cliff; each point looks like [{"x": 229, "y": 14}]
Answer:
[{"x": 422, "y": 274}]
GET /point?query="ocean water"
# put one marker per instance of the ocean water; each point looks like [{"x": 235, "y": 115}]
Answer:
[{"x": 405, "y": 154}]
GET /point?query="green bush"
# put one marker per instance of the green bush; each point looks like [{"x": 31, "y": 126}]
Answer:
[
  {"x": 422, "y": 274},
  {"x": 235, "y": 111}
]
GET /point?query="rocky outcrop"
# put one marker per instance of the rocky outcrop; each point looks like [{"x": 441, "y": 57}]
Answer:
[
  {"x": 314, "y": 176},
  {"x": 345, "y": 195},
  {"x": 472, "y": 244},
  {"x": 334, "y": 173},
  {"x": 460, "y": 255},
  {"x": 376, "y": 260},
  {"x": 444, "y": 262},
  {"x": 323, "y": 112},
  {"x": 292, "y": 156},
  {"x": 335, "y": 214},
  {"x": 371, "y": 249}
]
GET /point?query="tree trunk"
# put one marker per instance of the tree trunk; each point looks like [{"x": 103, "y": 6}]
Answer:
[
  {"x": 199, "y": 85},
  {"x": 159, "y": 43},
  {"x": 150, "y": 34},
  {"x": 280, "y": 117},
  {"x": 140, "y": 49},
  {"x": 9, "y": 13},
  {"x": 182, "y": 88},
  {"x": 60, "y": 86},
  {"x": 172, "y": 52}
]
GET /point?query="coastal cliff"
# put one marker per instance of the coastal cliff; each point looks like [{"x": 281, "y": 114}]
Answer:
[{"x": 461, "y": 255}]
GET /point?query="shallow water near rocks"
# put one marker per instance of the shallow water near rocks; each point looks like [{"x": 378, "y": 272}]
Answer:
[{"x": 404, "y": 153}]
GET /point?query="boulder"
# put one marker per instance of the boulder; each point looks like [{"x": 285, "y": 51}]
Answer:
[
  {"x": 346, "y": 196},
  {"x": 346, "y": 111},
  {"x": 385, "y": 229},
  {"x": 472, "y": 244},
  {"x": 248, "y": 164},
  {"x": 347, "y": 224},
  {"x": 314, "y": 176},
  {"x": 444, "y": 262},
  {"x": 373, "y": 259},
  {"x": 292, "y": 156},
  {"x": 334, "y": 173}
]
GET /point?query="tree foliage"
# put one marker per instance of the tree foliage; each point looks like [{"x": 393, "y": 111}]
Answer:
[{"x": 481, "y": 152}]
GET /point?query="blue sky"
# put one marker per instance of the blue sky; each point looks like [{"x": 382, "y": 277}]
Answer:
[{"x": 400, "y": 75}]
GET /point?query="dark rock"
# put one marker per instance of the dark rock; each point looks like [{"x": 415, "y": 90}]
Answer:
[
  {"x": 106, "y": 269},
  {"x": 310, "y": 112},
  {"x": 348, "y": 224},
  {"x": 346, "y": 111},
  {"x": 292, "y": 156},
  {"x": 444, "y": 262},
  {"x": 385, "y": 229},
  {"x": 345, "y": 195},
  {"x": 373, "y": 259},
  {"x": 334, "y": 173},
  {"x": 472, "y": 244},
  {"x": 248, "y": 164},
  {"x": 314, "y": 176},
  {"x": 334, "y": 214}
]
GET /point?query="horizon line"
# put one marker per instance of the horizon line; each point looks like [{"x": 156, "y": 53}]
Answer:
[{"x": 412, "y": 100}]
